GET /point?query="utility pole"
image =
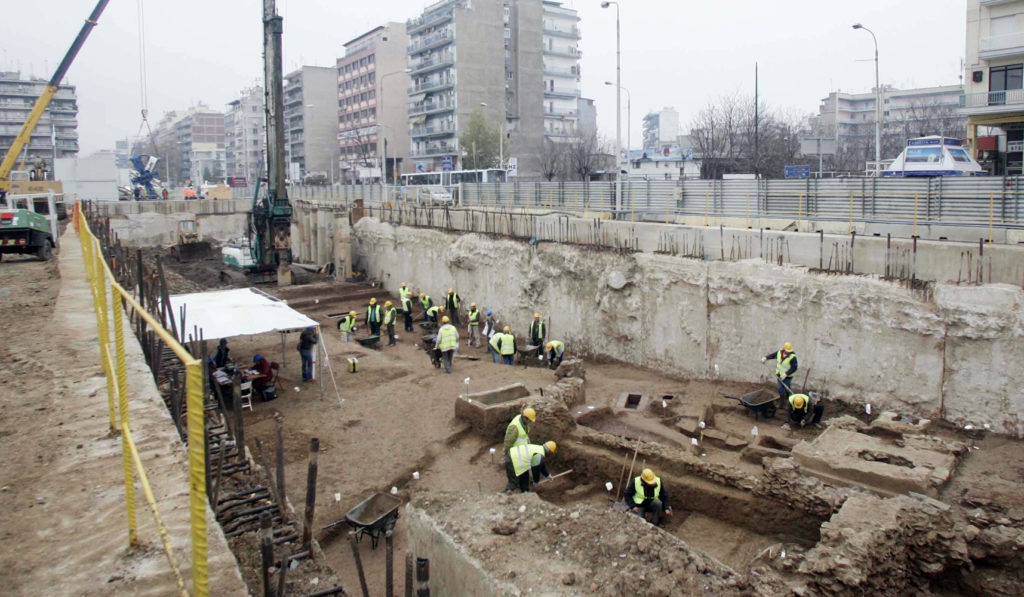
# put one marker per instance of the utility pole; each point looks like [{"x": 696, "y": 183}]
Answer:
[{"x": 757, "y": 155}]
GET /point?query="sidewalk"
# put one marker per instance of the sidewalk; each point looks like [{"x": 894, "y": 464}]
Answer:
[{"x": 64, "y": 529}]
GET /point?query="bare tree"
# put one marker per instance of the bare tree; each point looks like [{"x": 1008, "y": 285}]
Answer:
[
  {"x": 553, "y": 160},
  {"x": 583, "y": 155}
]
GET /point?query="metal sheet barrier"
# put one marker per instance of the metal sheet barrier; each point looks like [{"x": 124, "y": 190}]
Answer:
[{"x": 102, "y": 283}]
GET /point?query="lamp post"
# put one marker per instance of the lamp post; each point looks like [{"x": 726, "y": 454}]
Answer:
[
  {"x": 618, "y": 111},
  {"x": 380, "y": 120},
  {"x": 501, "y": 139},
  {"x": 878, "y": 102},
  {"x": 629, "y": 120}
]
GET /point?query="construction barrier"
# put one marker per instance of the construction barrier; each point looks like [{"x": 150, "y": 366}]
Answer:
[{"x": 112, "y": 360}]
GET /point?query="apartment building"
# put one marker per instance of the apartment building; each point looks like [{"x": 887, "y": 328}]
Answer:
[
  {"x": 56, "y": 134},
  {"x": 661, "y": 129},
  {"x": 310, "y": 121},
  {"x": 190, "y": 144},
  {"x": 372, "y": 83},
  {"x": 245, "y": 135},
  {"x": 906, "y": 113},
  {"x": 454, "y": 46},
  {"x": 993, "y": 94}
]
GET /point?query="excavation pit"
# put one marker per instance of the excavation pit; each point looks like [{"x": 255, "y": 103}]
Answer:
[
  {"x": 489, "y": 412},
  {"x": 631, "y": 426},
  {"x": 631, "y": 401}
]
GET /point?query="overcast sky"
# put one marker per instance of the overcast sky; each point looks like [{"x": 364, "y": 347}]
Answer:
[{"x": 680, "y": 53}]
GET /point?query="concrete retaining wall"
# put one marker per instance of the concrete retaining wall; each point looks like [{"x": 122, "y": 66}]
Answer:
[{"x": 956, "y": 356}]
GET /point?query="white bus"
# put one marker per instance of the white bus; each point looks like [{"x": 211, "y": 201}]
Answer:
[{"x": 451, "y": 178}]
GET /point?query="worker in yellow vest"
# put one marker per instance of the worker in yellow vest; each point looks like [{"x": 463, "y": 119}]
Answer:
[
  {"x": 537, "y": 331},
  {"x": 447, "y": 342},
  {"x": 802, "y": 405},
  {"x": 373, "y": 317},
  {"x": 390, "y": 314},
  {"x": 517, "y": 434},
  {"x": 426, "y": 303},
  {"x": 407, "y": 312},
  {"x": 505, "y": 345},
  {"x": 785, "y": 368},
  {"x": 434, "y": 312},
  {"x": 403, "y": 291},
  {"x": 525, "y": 459},
  {"x": 474, "y": 325},
  {"x": 451, "y": 305},
  {"x": 347, "y": 325},
  {"x": 647, "y": 494},
  {"x": 555, "y": 349}
]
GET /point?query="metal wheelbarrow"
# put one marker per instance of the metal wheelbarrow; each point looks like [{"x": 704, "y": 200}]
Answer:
[
  {"x": 373, "y": 516},
  {"x": 431, "y": 349},
  {"x": 760, "y": 402},
  {"x": 369, "y": 341}
]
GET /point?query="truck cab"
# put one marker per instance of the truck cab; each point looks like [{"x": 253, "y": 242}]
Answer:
[{"x": 28, "y": 225}]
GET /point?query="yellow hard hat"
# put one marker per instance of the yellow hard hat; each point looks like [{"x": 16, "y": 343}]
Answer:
[
  {"x": 451, "y": 290},
  {"x": 403, "y": 284},
  {"x": 529, "y": 413},
  {"x": 352, "y": 313},
  {"x": 536, "y": 315},
  {"x": 472, "y": 304},
  {"x": 647, "y": 476},
  {"x": 551, "y": 446},
  {"x": 508, "y": 330},
  {"x": 387, "y": 303},
  {"x": 440, "y": 309},
  {"x": 445, "y": 319},
  {"x": 423, "y": 295},
  {"x": 798, "y": 401},
  {"x": 787, "y": 347},
  {"x": 550, "y": 346},
  {"x": 373, "y": 301}
]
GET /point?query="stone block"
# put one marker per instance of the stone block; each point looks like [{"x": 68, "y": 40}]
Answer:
[
  {"x": 721, "y": 439},
  {"x": 489, "y": 412},
  {"x": 571, "y": 368}
]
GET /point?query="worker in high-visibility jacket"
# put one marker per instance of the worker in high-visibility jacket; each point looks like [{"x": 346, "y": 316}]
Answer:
[
  {"x": 802, "y": 405},
  {"x": 447, "y": 342},
  {"x": 537, "y": 331},
  {"x": 390, "y": 314},
  {"x": 647, "y": 494},
  {"x": 555, "y": 349},
  {"x": 434, "y": 312},
  {"x": 407, "y": 312},
  {"x": 426, "y": 303},
  {"x": 504, "y": 344},
  {"x": 374, "y": 317},
  {"x": 518, "y": 430},
  {"x": 525, "y": 459},
  {"x": 347, "y": 325},
  {"x": 785, "y": 368},
  {"x": 451, "y": 305},
  {"x": 403, "y": 291},
  {"x": 474, "y": 325}
]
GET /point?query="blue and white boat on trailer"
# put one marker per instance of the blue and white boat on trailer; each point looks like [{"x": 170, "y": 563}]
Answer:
[{"x": 934, "y": 156}]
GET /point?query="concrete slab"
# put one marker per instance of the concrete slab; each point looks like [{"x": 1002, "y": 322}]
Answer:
[
  {"x": 489, "y": 412},
  {"x": 850, "y": 458}
]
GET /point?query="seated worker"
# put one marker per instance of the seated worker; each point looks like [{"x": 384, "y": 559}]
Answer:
[
  {"x": 264, "y": 375},
  {"x": 527, "y": 458},
  {"x": 555, "y": 348},
  {"x": 646, "y": 494},
  {"x": 800, "y": 406},
  {"x": 221, "y": 358}
]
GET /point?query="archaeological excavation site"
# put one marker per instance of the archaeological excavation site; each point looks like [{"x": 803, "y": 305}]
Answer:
[{"x": 888, "y": 460}]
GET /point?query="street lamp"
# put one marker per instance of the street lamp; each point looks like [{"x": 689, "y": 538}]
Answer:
[
  {"x": 501, "y": 138},
  {"x": 618, "y": 110},
  {"x": 380, "y": 120},
  {"x": 629, "y": 119},
  {"x": 878, "y": 103}
]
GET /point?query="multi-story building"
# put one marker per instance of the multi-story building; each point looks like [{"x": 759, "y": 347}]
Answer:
[
  {"x": 849, "y": 118},
  {"x": 661, "y": 128},
  {"x": 59, "y": 123},
  {"x": 190, "y": 144},
  {"x": 310, "y": 118},
  {"x": 453, "y": 49},
  {"x": 245, "y": 135},
  {"x": 586, "y": 115},
  {"x": 372, "y": 80},
  {"x": 993, "y": 95}
]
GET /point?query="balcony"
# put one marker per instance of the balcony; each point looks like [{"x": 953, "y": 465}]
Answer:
[
  {"x": 559, "y": 111},
  {"x": 433, "y": 149},
  {"x": 441, "y": 129},
  {"x": 429, "y": 86},
  {"x": 992, "y": 102},
  {"x": 432, "y": 40},
  {"x": 569, "y": 32},
  {"x": 570, "y": 52},
  {"x": 562, "y": 93},
  {"x": 561, "y": 72},
  {"x": 432, "y": 106},
  {"x": 417, "y": 24},
  {"x": 1001, "y": 46},
  {"x": 431, "y": 64}
]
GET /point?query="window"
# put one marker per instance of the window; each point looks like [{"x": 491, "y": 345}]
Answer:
[
  {"x": 1004, "y": 78},
  {"x": 999, "y": 26},
  {"x": 509, "y": 76},
  {"x": 508, "y": 33}
]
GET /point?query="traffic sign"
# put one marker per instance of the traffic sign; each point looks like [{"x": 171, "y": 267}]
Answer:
[
  {"x": 513, "y": 167},
  {"x": 446, "y": 163},
  {"x": 798, "y": 171}
]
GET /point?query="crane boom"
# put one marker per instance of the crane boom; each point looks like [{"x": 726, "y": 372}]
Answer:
[{"x": 25, "y": 134}]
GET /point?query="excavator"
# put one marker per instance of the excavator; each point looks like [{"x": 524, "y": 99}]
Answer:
[{"x": 22, "y": 228}]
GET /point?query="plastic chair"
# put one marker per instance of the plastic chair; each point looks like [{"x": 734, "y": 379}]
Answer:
[{"x": 245, "y": 394}]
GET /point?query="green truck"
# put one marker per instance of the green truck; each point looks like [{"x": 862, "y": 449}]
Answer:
[{"x": 27, "y": 225}]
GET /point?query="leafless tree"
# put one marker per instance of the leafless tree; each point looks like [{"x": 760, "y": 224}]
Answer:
[
  {"x": 584, "y": 154},
  {"x": 553, "y": 160}
]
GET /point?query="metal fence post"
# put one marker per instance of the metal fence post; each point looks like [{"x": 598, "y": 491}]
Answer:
[
  {"x": 122, "y": 398},
  {"x": 197, "y": 475}
]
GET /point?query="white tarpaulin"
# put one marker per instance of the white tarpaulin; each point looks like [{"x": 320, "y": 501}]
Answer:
[{"x": 237, "y": 312}]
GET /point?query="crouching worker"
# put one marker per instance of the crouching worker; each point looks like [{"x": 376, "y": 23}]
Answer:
[
  {"x": 525, "y": 459},
  {"x": 556, "y": 349},
  {"x": 802, "y": 405},
  {"x": 646, "y": 494}
]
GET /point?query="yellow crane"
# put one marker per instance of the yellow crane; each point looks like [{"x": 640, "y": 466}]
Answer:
[{"x": 25, "y": 134}]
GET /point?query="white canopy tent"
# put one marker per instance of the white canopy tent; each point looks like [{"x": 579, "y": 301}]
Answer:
[{"x": 244, "y": 312}]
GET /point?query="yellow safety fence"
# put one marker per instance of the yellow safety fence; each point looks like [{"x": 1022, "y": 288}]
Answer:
[{"x": 112, "y": 360}]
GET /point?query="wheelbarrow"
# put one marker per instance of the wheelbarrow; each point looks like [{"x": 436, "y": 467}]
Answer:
[
  {"x": 431, "y": 349},
  {"x": 428, "y": 326},
  {"x": 370, "y": 341},
  {"x": 528, "y": 355},
  {"x": 760, "y": 402},
  {"x": 373, "y": 516}
]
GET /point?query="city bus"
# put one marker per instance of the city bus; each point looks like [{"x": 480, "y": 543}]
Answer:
[{"x": 451, "y": 178}]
